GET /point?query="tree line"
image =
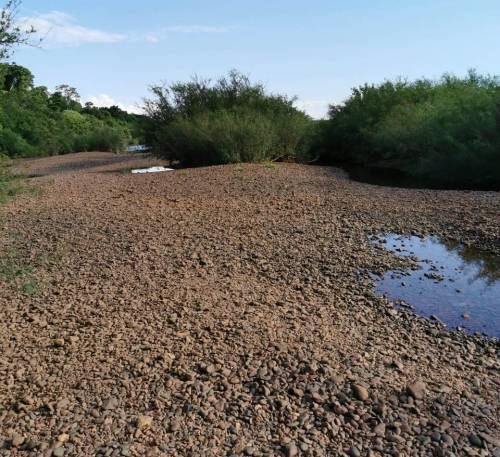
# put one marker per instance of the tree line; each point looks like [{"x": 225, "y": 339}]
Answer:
[
  {"x": 37, "y": 122},
  {"x": 447, "y": 130}
]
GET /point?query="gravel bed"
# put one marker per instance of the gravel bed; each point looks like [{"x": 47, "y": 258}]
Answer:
[{"x": 228, "y": 311}]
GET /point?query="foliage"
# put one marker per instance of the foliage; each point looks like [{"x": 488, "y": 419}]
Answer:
[
  {"x": 11, "y": 34},
  {"x": 35, "y": 122},
  {"x": 447, "y": 130},
  {"x": 231, "y": 120}
]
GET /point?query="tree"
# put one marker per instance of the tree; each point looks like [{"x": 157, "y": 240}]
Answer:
[
  {"x": 68, "y": 92},
  {"x": 15, "y": 77},
  {"x": 11, "y": 33},
  {"x": 65, "y": 98}
]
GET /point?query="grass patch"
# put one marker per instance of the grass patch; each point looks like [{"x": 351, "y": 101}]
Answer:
[
  {"x": 20, "y": 275},
  {"x": 270, "y": 165},
  {"x": 12, "y": 185},
  {"x": 15, "y": 272}
]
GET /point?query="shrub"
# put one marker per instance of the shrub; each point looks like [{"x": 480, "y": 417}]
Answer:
[
  {"x": 102, "y": 138},
  {"x": 232, "y": 120},
  {"x": 448, "y": 130},
  {"x": 239, "y": 135}
]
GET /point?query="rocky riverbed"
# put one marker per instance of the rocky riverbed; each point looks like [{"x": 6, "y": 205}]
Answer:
[{"x": 229, "y": 311}]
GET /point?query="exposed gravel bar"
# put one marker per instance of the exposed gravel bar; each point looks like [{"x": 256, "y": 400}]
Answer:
[{"x": 228, "y": 311}]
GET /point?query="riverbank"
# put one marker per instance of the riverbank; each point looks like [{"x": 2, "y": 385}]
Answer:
[{"x": 224, "y": 311}]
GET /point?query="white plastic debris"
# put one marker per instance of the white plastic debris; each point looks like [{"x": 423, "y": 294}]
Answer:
[{"x": 151, "y": 170}]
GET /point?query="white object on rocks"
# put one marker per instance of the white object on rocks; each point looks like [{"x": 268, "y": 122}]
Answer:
[{"x": 151, "y": 170}]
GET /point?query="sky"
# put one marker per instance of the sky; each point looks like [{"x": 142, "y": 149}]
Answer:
[{"x": 317, "y": 50}]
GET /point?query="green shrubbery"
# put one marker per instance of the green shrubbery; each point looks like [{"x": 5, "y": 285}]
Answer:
[
  {"x": 446, "y": 130},
  {"x": 233, "y": 120},
  {"x": 34, "y": 122}
]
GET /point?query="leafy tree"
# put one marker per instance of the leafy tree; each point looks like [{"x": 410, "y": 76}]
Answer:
[
  {"x": 11, "y": 34},
  {"x": 15, "y": 77}
]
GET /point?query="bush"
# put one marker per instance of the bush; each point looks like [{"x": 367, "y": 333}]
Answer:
[
  {"x": 233, "y": 120},
  {"x": 102, "y": 138},
  {"x": 448, "y": 130}
]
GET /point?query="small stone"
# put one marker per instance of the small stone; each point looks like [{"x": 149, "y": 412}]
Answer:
[
  {"x": 110, "y": 403},
  {"x": 58, "y": 451},
  {"x": 397, "y": 364},
  {"x": 379, "y": 429},
  {"x": 354, "y": 452},
  {"x": 490, "y": 439},
  {"x": 360, "y": 392},
  {"x": 144, "y": 422},
  {"x": 416, "y": 390},
  {"x": 59, "y": 342},
  {"x": 292, "y": 450},
  {"x": 475, "y": 440},
  {"x": 63, "y": 437},
  {"x": 31, "y": 444},
  {"x": 17, "y": 440},
  {"x": 174, "y": 426}
]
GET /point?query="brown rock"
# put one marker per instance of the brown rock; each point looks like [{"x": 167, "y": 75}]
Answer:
[
  {"x": 360, "y": 392},
  {"x": 144, "y": 422},
  {"x": 417, "y": 390}
]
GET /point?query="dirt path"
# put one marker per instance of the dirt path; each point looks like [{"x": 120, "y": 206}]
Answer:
[{"x": 221, "y": 311}]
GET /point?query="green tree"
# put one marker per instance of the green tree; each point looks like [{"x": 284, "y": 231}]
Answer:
[
  {"x": 11, "y": 34},
  {"x": 15, "y": 77}
]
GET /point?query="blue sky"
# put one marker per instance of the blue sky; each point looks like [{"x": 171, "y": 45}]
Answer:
[{"x": 315, "y": 49}]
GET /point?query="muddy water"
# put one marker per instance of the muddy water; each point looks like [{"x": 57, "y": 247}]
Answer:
[{"x": 457, "y": 284}]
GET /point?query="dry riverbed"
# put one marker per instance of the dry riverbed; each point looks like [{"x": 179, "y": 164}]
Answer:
[{"x": 228, "y": 311}]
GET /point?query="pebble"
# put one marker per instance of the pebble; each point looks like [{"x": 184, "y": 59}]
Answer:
[
  {"x": 144, "y": 422},
  {"x": 354, "y": 452},
  {"x": 292, "y": 450},
  {"x": 58, "y": 451},
  {"x": 416, "y": 390},
  {"x": 59, "y": 342},
  {"x": 360, "y": 392},
  {"x": 475, "y": 440},
  {"x": 379, "y": 429},
  {"x": 111, "y": 403},
  {"x": 17, "y": 440}
]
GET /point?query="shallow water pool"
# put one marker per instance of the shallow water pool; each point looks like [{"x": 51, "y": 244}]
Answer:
[{"x": 457, "y": 284}]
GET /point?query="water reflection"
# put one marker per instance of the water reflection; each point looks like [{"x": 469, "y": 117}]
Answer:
[{"x": 458, "y": 284}]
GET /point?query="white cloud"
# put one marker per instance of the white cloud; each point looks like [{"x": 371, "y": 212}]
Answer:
[
  {"x": 156, "y": 37},
  {"x": 318, "y": 109},
  {"x": 61, "y": 29},
  {"x": 195, "y": 29},
  {"x": 105, "y": 100}
]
